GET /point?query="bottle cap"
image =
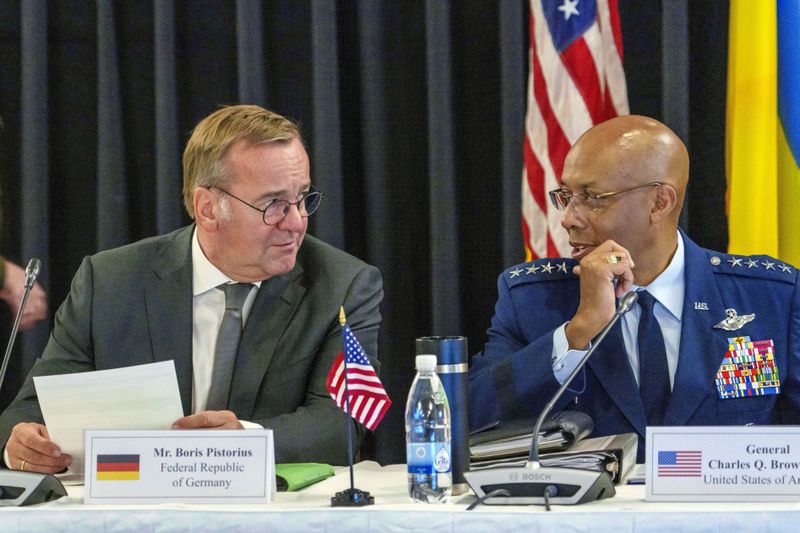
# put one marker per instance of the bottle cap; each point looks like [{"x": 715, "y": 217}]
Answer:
[{"x": 426, "y": 362}]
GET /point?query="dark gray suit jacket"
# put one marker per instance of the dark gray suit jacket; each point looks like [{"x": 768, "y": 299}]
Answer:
[{"x": 133, "y": 305}]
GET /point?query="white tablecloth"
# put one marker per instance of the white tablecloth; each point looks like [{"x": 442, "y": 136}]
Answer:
[{"x": 309, "y": 510}]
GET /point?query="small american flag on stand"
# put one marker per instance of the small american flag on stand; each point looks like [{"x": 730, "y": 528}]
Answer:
[{"x": 368, "y": 399}]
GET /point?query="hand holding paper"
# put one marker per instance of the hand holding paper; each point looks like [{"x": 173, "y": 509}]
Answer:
[
  {"x": 136, "y": 397},
  {"x": 209, "y": 420},
  {"x": 29, "y": 448}
]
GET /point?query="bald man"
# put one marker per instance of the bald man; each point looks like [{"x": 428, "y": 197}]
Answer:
[{"x": 622, "y": 190}]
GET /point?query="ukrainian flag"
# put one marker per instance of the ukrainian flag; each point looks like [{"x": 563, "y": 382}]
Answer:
[{"x": 763, "y": 128}]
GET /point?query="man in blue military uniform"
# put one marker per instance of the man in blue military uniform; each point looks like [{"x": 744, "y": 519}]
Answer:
[{"x": 622, "y": 190}]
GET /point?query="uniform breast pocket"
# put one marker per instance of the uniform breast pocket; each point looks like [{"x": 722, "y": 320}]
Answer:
[{"x": 746, "y": 410}]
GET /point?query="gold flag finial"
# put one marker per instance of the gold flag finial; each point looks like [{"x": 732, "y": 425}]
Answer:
[{"x": 342, "y": 319}]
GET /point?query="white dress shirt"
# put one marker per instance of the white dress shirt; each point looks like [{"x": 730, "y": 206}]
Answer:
[
  {"x": 668, "y": 289},
  {"x": 208, "y": 307}
]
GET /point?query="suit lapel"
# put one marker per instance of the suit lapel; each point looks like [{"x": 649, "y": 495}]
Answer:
[
  {"x": 168, "y": 299},
  {"x": 610, "y": 365},
  {"x": 701, "y": 347},
  {"x": 275, "y": 304}
]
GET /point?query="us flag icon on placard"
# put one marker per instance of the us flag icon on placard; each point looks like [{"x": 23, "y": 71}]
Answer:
[
  {"x": 117, "y": 467},
  {"x": 680, "y": 463}
]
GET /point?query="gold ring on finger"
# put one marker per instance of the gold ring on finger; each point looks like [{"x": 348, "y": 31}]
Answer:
[
  {"x": 613, "y": 259},
  {"x": 22, "y": 465}
]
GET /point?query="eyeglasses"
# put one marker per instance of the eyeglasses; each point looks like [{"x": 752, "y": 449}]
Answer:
[
  {"x": 277, "y": 210},
  {"x": 561, "y": 198}
]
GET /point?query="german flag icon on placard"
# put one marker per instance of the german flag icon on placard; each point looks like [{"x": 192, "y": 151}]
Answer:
[{"x": 117, "y": 467}]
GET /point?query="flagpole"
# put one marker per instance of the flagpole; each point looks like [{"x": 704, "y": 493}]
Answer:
[
  {"x": 348, "y": 421},
  {"x": 351, "y": 497}
]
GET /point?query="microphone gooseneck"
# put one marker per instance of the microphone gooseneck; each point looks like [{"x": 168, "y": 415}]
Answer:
[
  {"x": 533, "y": 483},
  {"x": 31, "y": 273},
  {"x": 625, "y": 304}
]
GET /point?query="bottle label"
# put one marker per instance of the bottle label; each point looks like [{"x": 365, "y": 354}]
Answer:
[
  {"x": 442, "y": 461},
  {"x": 428, "y": 457}
]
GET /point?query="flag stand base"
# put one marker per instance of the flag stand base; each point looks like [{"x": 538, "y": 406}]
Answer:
[{"x": 352, "y": 498}]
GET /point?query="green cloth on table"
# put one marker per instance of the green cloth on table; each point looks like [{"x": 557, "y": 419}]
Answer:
[{"x": 295, "y": 476}]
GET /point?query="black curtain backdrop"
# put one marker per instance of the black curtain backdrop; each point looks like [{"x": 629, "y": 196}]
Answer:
[{"x": 412, "y": 111}]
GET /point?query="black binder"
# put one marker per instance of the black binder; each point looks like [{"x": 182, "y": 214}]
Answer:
[
  {"x": 512, "y": 439},
  {"x": 613, "y": 454}
]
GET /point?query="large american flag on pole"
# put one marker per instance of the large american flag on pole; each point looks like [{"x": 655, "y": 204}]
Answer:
[
  {"x": 576, "y": 80},
  {"x": 368, "y": 399}
]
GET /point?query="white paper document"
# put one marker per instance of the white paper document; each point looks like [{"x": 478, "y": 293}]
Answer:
[{"x": 134, "y": 397}]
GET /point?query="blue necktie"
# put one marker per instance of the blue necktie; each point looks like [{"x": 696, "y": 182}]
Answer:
[
  {"x": 227, "y": 345},
  {"x": 653, "y": 371}
]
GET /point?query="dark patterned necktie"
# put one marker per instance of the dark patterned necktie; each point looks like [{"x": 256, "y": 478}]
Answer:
[
  {"x": 227, "y": 345},
  {"x": 653, "y": 371}
]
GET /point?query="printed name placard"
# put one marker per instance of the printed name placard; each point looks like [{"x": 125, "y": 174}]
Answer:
[
  {"x": 723, "y": 463},
  {"x": 187, "y": 466}
]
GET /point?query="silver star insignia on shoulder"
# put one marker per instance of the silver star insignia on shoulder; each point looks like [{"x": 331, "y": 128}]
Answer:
[
  {"x": 734, "y": 321},
  {"x": 735, "y": 261},
  {"x": 768, "y": 265},
  {"x": 752, "y": 263},
  {"x": 548, "y": 268},
  {"x": 784, "y": 268},
  {"x": 532, "y": 270},
  {"x": 515, "y": 273},
  {"x": 562, "y": 267}
]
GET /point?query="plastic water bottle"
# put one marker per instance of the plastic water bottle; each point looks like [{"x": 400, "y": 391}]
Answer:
[{"x": 428, "y": 452}]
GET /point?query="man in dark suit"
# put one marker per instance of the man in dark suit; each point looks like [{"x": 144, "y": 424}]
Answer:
[
  {"x": 247, "y": 186},
  {"x": 622, "y": 190}
]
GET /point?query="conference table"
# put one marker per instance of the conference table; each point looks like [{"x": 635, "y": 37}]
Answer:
[{"x": 309, "y": 510}]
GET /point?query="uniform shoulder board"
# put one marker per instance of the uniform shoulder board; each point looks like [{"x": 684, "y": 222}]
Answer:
[
  {"x": 549, "y": 269},
  {"x": 752, "y": 266}
]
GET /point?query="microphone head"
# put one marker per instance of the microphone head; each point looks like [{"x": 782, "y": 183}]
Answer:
[
  {"x": 626, "y": 302},
  {"x": 32, "y": 271}
]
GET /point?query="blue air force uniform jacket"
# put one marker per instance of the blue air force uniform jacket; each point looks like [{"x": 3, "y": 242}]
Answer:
[{"x": 513, "y": 377}]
